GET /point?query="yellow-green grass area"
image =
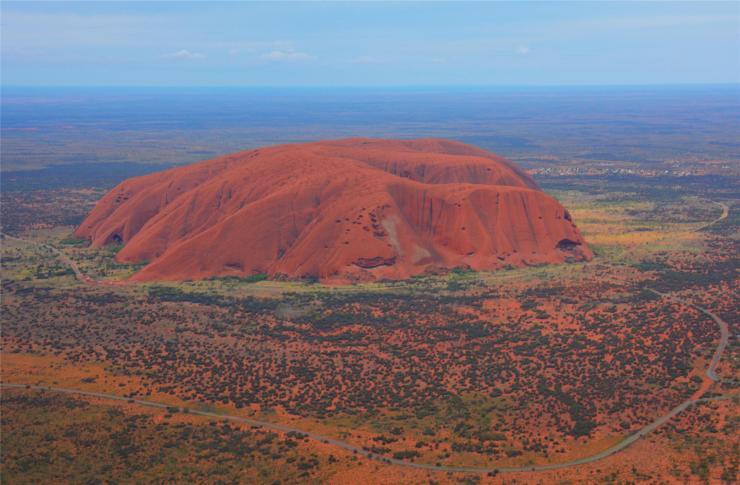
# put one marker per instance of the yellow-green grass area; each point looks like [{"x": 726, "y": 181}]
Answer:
[
  {"x": 618, "y": 227},
  {"x": 98, "y": 263},
  {"x": 30, "y": 262},
  {"x": 24, "y": 255},
  {"x": 453, "y": 282},
  {"x": 622, "y": 228},
  {"x": 35, "y": 264},
  {"x": 101, "y": 264}
]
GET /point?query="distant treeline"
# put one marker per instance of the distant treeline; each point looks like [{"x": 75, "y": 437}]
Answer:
[
  {"x": 78, "y": 175},
  {"x": 657, "y": 188}
]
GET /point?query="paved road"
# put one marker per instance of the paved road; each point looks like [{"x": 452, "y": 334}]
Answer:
[
  {"x": 359, "y": 451},
  {"x": 723, "y": 329},
  {"x": 696, "y": 398}
]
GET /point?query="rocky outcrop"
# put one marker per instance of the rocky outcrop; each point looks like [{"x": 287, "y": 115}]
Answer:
[{"x": 356, "y": 209}]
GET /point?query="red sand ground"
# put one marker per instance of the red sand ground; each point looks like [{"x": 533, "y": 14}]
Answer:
[{"x": 346, "y": 210}]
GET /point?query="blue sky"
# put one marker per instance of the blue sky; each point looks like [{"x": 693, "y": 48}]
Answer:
[{"x": 374, "y": 43}]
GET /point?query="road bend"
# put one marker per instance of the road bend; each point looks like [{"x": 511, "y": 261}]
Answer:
[{"x": 626, "y": 442}]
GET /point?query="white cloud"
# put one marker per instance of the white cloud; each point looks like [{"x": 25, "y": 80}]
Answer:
[
  {"x": 235, "y": 48},
  {"x": 184, "y": 55},
  {"x": 523, "y": 50},
  {"x": 286, "y": 55}
]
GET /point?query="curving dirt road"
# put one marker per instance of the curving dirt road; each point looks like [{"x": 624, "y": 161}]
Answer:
[
  {"x": 725, "y": 213},
  {"x": 393, "y": 461},
  {"x": 723, "y": 329},
  {"x": 696, "y": 398}
]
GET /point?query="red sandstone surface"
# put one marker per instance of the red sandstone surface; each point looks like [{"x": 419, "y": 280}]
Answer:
[{"x": 346, "y": 210}]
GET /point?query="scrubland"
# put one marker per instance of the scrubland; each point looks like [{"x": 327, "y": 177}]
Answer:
[{"x": 518, "y": 367}]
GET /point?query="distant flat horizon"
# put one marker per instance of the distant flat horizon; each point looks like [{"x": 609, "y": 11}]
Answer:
[
  {"x": 644, "y": 125},
  {"x": 364, "y": 86},
  {"x": 369, "y": 43}
]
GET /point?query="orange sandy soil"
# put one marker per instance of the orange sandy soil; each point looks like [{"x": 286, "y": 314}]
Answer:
[
  {"x": 653, "y": 456},
  {"x": 69, "y": 372},
  {"x": 46, "y": 370},
  {"x": 597, "y": 306},
  {"x": 661, "y": 457}
]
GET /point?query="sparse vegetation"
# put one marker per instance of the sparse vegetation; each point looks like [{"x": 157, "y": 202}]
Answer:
[{"x": 523, "y": 366}]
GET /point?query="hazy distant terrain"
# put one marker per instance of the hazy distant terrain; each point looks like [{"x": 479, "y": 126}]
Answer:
[
  {"x": 653, "y": 127},
  {"x": 522, "y": 367},
  {"x": 369, "y": 242}
]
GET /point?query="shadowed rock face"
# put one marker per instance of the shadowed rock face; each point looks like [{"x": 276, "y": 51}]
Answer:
[{"x": 346, "y": 210}]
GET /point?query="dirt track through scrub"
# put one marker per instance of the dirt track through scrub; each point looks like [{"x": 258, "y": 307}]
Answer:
[{"x": 710, "y": 373}]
